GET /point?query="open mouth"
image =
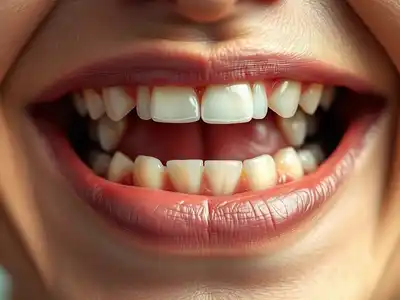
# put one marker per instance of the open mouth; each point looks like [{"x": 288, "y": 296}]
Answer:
[{"x": 209, "y": 166}]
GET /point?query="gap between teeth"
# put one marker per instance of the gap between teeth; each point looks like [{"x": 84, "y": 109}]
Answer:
[
  {"x": 213, "y": 177},
  {"x": 219, "y": 104}
]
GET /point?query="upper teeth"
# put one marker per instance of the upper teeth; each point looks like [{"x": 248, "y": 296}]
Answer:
[{"x": 220, "y": 104}]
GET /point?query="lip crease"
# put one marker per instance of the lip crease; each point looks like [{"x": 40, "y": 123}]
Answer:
[{"x": 174, "y": 222}]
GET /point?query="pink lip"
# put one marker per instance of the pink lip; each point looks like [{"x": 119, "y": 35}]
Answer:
[
  {"x": 152, "y": 65},
  {"x": 174, "y": 222}
]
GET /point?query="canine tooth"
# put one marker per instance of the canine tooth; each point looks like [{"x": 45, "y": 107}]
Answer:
[
  {"x": 260, "y": 106},
  {"x": 288, "y": 164},
  {"x": 227, "y": 104},
  {"x": 143, "y": 100},
  {"x": 327, "y": 98},
  {"x": 94, "y": 104},
  {"x": 285, "y": 98},
  {"x": 174, "y": 105},
  {"x": 117, "y": 103},
  {"x": 80, "y": 105},
  {"x": 110, "y": 133},
  {"x": 120, "y": 167},
  {"x": 148, "y": 172},
  {"x": 294, "y": 128},
  {"x": 99, "y": 162},
  {"x": 260, "y": 172},
  {"x": 310, "y": 99},
  {"x": 223, "y": 175},
  {"x": 186, "y": 175}
]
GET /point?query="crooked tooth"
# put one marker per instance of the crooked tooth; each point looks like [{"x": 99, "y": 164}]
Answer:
[
  {"x": 94, "y": 104},
  {"x": 222, "y": 176},
  {"x": 227, "y": 104},
  {"x": 327, "y": 98},
  {"x": 148, "y": 172},
  {"x": 285, "y": 98},
  {"x": 174, "y": 105},
  {"x": 80, "y": 105},
  {"x": 120, "y": 167},
  {"x": 294, "y": 128},
  {"x": 110, "y": 133},
  {"x": 117, "y": 103},
  {"x": 143, "y": 100},
  {"x": 186, "y": 175},
  {"x": 260, "y": 106},
  {"x": 99, "y": 162},
  {"x": 260, "y": 172},
  {"x": 288, "y": 165},
  {"x": 310, "y": 99}
]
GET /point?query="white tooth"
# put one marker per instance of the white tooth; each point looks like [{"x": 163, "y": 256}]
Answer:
[
  {"x": 80, "y": 105},
  {"x": 310, "y": 99},
  {"x": 285, "y": 98},
  {"x": 174, "y": 105},
  {"x": 94, "y": 104},
  {"x": 148, "y": 172},
  {"x": 227, "y": 104},
  {"x": 288, "y": 165},
  {"x": 260, "y": 107},
  {"x": 186, "y": 175},
  {"x": 294, "y": 129},
  {"x": 308, "y": 160},
  {"x": 99, "y": 162},
  {"x": 110, "y": 133},
  {"x": 117, "y": 103},
  {"x": 327, "y": 98},
  {"x": 312, "y": 125},
  {"x": 316, "y": 150},
  {"x": 260, "y": 172},
  {"x": 222, "y": 175},
  {"x": 120, "y": 167},
  {"x": 143, "y": 103}
]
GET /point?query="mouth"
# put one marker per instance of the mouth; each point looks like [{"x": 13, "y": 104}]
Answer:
[{"x": 208, "y": 165}]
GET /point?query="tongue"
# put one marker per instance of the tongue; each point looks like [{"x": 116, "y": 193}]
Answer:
[{"x": 201, "y": 141}]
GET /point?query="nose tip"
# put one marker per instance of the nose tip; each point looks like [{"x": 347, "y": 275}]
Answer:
[{"x": 204, "y": 11}]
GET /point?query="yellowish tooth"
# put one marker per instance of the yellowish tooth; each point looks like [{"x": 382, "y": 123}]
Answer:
[
  {"x": 288, "y": 164},
  {"x": 99, "y": 162},
  {"x": 294, "y": 129},
  {"x": 310, "y": 99},
  {"x": 285, "y": 98},
  {"x": 260, "y": 172},
  {"x": 80, "y": 105},
  {"x": 143, "y": 103},
  {"x": 110, "y": 133},
  {"x": 94, "y": 104},
  {"x": 327, "y": 97},
  {"x": 222, "y": 175},
  {"x": 186, "y": 175},
  {"x": 120, "y": 167},
  {"x": 117, "y": 103},
  {"x": 148, "y": 172}
]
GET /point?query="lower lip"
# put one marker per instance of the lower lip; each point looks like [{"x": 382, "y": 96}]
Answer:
[{"x": 180, "y": 223}]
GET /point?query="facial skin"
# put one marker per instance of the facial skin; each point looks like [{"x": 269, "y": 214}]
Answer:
[{"x": 341, "y": 255}]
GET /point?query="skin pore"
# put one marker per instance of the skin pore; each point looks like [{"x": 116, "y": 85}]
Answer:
[{"x": 79, "y": 259}]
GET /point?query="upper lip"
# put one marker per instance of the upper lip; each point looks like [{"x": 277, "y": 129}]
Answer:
[{"x": 150, "y": 65}]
